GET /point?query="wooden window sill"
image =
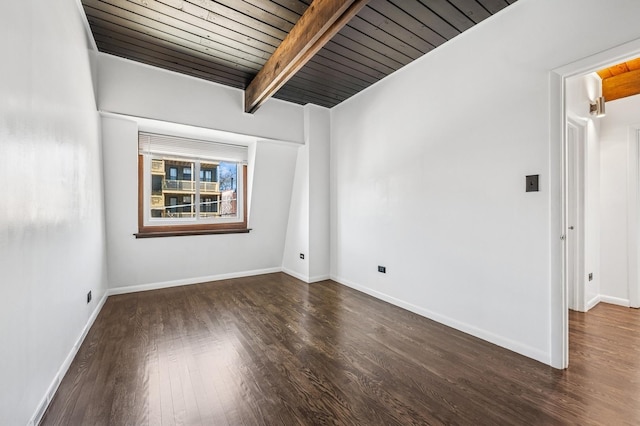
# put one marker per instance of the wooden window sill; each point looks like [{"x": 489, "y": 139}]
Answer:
[{"x": 183, "y": 233}]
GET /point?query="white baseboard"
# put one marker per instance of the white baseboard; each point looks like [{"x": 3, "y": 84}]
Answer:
[
  {"x": 53, "y": 387},
  {"x": 305, "y": 278},
  {"x": 295, "y": 274},
  {"x": 593, "y": 302},
  {"x": 607, "y": 299},
  {"x": 189, "y": 281},
  {"x": 615, "y": 301},
  {"x": 319, "y": 278},
  {"x": 517, "y": 347}
]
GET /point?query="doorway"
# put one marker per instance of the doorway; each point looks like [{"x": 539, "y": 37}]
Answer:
[
  {"x": 567, "y": 291},
  {"x": 633, "y": 222},
  {"x": 576, "y": 212}
]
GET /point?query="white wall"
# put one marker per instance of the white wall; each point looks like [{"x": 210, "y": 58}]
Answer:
[
  {"x": 308, "y": 226},
  {"x": 318, "y": 138},
  {"x": 592, "y": 214},
  {"x": 297, "y": 238},
  {"x": 428, "y": 170},
  {"x": 132, "y": 88},
  {"x": 621, "y": 115},
  {"x": 152, "y": 262},
  {"x": 51, "y": 224}
]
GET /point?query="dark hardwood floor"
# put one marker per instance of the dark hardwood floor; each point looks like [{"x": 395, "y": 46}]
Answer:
[{"x": 273, "y": 350}]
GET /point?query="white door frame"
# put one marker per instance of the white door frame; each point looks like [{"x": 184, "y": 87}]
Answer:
[
  {"x": 633, "y": 216},
  {"x": 559, "y": 304}
]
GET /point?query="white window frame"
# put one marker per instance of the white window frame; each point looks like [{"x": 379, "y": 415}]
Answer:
[{"x": 173, "y": 148}]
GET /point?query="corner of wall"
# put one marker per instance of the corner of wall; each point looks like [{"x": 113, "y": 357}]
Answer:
[{"x": 308, "y": 226}]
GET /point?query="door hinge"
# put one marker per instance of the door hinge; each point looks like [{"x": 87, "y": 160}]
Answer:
[{"x": 562, "y": 237}]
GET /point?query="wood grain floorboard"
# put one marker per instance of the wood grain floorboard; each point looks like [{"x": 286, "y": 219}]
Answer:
[{"x": 271, "y": 350}]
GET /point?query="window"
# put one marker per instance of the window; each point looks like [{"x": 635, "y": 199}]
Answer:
[
  {"x": 186, "y": 173},
  {"x": 188, "y": 187},
  {"x": 206, "y": 175},
  {"x": 173, "y": 173}
]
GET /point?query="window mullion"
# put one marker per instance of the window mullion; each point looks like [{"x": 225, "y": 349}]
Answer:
[
  {"x": 197, "y": 184},
  {"x": 146, "y": 160}
]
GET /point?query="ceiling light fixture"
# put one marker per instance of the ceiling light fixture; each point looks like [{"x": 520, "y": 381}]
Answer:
[{"x": 597, "y": 108}]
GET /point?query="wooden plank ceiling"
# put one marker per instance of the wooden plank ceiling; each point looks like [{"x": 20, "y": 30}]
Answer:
[{"x": 228, "y": 41}]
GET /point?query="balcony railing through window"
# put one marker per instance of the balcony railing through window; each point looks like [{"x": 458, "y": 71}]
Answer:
[{"x": 189, "y": 186}]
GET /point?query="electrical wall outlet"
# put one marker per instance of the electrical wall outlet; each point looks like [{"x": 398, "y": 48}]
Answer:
[
  {"x": 382, "y": 269},
  {"x": 89, "y": 296},
  {"x": 302, "y": 256}
]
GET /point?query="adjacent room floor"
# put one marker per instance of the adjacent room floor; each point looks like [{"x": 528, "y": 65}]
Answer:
[{"x": 273, "y": 350}]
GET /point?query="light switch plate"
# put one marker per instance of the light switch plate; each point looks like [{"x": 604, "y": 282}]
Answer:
[{"x": 532, "y": 183}]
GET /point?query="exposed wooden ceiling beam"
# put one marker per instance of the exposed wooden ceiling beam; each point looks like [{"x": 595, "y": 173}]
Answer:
[
  {"x": 621, "y": 80},
  {"x": 621, "y": 85},
  {"x": 319, "y": 23}
]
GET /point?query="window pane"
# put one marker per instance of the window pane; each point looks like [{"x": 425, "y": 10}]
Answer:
[
  {"x": 208, "y": 184},
  {"x": 172, "y": 190},
  {"x": 228, "y": 175}
]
